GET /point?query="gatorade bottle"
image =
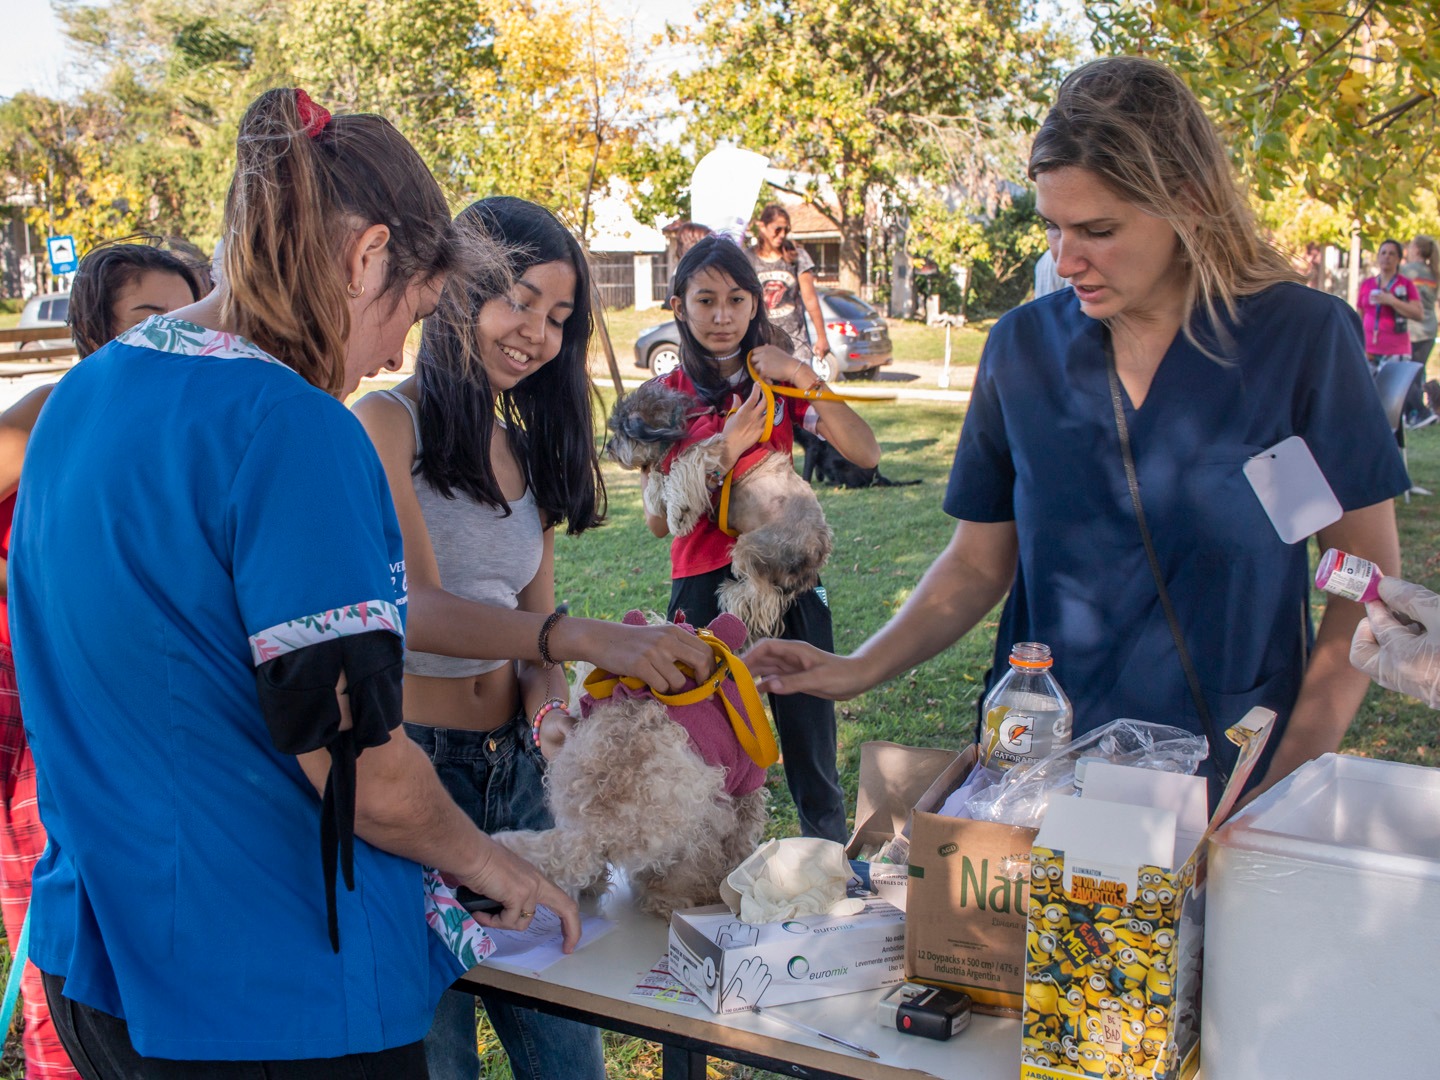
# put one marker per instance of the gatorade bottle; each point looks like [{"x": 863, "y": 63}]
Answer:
[{"x": 1027, "y": 715}]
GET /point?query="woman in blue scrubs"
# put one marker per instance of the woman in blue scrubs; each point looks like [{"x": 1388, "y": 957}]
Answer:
[{"x": 1217, "y": 355}]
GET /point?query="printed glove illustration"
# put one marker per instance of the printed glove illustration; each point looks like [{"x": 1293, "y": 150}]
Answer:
[
  {"x": 752, "y": 979},
  {"x": 1401, "y": 653},
  {"x": 737, "y": 935}
]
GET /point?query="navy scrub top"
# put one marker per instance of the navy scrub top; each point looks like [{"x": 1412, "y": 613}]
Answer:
[{"x": 1039, "y": 447}]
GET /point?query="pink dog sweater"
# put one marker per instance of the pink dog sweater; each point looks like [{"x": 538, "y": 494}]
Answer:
[{"x": 706, "y": 722}]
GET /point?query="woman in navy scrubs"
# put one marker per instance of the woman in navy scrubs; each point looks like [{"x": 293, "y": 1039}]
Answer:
[{"x": 1218, "y": 354}]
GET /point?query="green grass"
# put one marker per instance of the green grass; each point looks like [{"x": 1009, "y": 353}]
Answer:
[{"x": 884, "y": 540}]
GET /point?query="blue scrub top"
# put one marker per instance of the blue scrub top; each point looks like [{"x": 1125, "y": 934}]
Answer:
[
  {"x": 189, "y": 509},
  {"x": 1039, "y": 447}
]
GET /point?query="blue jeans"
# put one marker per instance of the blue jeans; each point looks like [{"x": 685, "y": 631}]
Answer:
[{"x": 495, "y": 777}]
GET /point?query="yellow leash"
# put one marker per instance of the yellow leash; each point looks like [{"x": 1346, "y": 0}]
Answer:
[
  {"x": 815, "y": 393},
  {"x": 759, "y": 744}
]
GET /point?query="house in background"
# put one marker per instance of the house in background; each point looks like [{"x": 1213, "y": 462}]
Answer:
[
  {"x": 627, "y": 258},
  {"x": 817, "y": 231}
]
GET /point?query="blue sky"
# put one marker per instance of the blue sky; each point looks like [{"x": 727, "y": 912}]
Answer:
[{"x": 34, "y": 54}]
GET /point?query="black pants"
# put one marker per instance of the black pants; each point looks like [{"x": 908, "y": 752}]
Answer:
[
  {"x": 805, "y": 724},
  {"x": 100, "y": 1048}
]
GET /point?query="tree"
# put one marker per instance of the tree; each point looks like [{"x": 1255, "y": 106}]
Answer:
[
  {"x": 540, "y": 100},
  {"x": 412, "y": 63},
  {"x": 58, "y": 152},
  {"x": 560, "y": 110},
  {"x": 1337, "y": 97},
  {"x": 871, "y": 93},
  {"x": 177, "y": 78}
]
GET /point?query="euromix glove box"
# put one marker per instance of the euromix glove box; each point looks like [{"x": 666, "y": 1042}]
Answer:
[
  {"x": 731, "y": 965},
  {"x": 1115, "y": 931},
  {"x": 1321, "y": 951}
]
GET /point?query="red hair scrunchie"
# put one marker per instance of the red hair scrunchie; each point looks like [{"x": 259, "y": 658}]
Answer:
[{"x": 313, "y": 116}]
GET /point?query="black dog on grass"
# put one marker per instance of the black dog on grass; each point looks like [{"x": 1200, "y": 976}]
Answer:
[{"x": 826, "y": 464}]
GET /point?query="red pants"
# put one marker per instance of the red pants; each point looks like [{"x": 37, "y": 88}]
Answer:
[{"x": 22, "y": 839}]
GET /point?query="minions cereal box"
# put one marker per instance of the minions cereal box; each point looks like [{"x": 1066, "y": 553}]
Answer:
[{"x": 1116, "y": 922}]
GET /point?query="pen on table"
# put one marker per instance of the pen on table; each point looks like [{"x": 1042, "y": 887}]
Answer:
[{"x": 798, "y": 1026}]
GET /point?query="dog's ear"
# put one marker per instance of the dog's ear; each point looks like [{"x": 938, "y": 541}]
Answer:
[
  {"x": 652, "y": 413},
  {"x": 729, "y": 629}
]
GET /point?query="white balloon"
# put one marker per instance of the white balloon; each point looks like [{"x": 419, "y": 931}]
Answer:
[{"x": 724, "y": 187}]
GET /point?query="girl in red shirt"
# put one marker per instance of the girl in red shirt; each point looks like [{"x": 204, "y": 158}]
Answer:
[{"x": 720, "y": 312}]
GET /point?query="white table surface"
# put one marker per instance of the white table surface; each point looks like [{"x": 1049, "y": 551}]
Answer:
[{"x": 600, "y": 976}]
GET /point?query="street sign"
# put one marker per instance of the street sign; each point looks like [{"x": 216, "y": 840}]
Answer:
[{"x": 62, "y": 255}]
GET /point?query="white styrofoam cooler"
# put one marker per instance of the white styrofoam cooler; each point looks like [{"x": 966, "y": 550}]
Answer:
[{"x": 1321, "y": 950}]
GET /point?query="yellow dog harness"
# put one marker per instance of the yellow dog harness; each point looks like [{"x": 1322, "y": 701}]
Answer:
[
  {"x": 758, "y": 743},
  {"x": 770, "y": 392}
]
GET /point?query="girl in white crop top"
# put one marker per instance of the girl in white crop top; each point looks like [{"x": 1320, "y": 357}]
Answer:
[{"x": 487, "y": 449}]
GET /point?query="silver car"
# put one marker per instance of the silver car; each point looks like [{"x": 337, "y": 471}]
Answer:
[
  {"x": 858, "y": 334},
  {"x": 47, "y": 309}
]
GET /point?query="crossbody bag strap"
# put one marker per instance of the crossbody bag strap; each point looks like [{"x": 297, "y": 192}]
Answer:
[{"x": 1123, "y": 430}]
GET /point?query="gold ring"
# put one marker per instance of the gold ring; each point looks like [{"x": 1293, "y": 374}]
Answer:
[{"x": 526, "y": 914}]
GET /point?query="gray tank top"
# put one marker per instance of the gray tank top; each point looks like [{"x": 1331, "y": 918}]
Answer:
[{"x": 483, "y": 555}]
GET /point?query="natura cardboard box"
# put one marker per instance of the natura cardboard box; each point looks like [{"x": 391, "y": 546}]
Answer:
[
  {"x": 1116, "y": 921},
  {"x": 892, "y": 780},
  {"x": 731, "y": 965},
  {"x": 965, "y": 914}
]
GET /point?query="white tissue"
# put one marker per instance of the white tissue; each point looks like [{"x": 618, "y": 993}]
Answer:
[{"x": 782, "y": 879}]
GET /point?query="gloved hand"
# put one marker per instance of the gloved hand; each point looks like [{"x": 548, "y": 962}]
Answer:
[{"x": 1395, "y": 654}]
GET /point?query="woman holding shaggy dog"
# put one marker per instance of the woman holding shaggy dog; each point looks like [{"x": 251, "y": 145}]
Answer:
[
  {"x": 720, "y": 312},
  {"x": 1100, "y": 475},
  {"x": 488, "y": 448}
]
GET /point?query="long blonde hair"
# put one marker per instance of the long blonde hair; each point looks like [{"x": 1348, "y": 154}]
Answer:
[
  {"x": 296, "y": 201},
  {"x": 1136, "y": 126}
]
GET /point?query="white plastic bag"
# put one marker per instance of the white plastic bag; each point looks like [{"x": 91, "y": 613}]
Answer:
[{"x": 1022, "y": 794}]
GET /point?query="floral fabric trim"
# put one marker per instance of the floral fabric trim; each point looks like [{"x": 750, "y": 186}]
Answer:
[
  {"x": 165, "y": 334},
  {"x": 457, "y": 928},
  {"x": 358, "y": 618}
]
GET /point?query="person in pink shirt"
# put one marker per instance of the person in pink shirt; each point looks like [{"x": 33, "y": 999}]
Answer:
[{"x": 1387, "y": 302}]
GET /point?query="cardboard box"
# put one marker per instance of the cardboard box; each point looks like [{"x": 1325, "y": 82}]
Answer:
[
  {"x": 1116, "y": 926},
  {"x": 969, "y": 883},
  {"x": 732, "y": 965},
  {"x": 892, "y": 780}
]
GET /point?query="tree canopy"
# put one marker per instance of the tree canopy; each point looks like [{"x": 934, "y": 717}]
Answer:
[
  {"x": 884, "y": 113},
  {"x": 1334, "y": 97},
  {"x": 871, "y": 94}
]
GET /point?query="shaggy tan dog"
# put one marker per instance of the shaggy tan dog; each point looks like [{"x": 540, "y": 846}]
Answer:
[
  {"x": 784, "y": 539},
  {"x": 631, "y": 789}
]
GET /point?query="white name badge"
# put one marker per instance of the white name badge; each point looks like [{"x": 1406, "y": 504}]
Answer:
[{"x": 1294, "y": 492}]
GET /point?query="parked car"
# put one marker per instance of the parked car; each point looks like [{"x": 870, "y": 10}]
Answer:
[
  {"x": 47, "y": 309},
  {"x": 858, "y": 334}
]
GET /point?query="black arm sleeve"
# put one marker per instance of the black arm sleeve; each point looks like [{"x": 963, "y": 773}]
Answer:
[{"x": 297, "y": 698}]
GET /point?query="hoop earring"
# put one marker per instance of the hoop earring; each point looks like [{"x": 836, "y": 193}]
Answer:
[{"x": 355, "y": 293}]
